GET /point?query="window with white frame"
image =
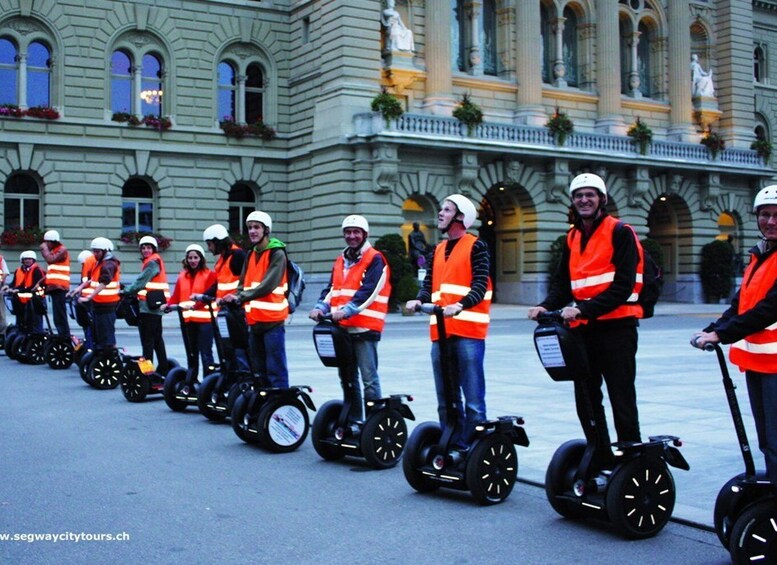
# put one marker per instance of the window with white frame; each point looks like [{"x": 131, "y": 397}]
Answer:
[
  {"x": 25, "y": 72},
  {"x": 759, "y": 63},
  {"x": 137, "y": 206},
  {"x": 21, "y": 201},
  {"x": 241, "y": 89},
  {"x": 138, "y": 77}
]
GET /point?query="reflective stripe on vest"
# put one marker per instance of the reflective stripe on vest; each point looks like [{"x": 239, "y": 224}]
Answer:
[
  {"x": 273, "y": 307},
  {"x": 58, "y": 274},
  {"x": 451, "y": 282},
  {"x": 345, "y": 284},
  {"x": 758, "y": 351},
  {"x": 226, "y": 280},
  {"x": 186, "y": 286},
  {"x": 86, "y": 271},
  {"x": 591, "y": 270},
  {"x": 23, "y": 280},
  {"x": 158, "y": 282},
  {"x": 109, "y": 294}
]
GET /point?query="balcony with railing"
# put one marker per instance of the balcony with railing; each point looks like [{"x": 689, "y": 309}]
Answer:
[{"x": 424, "y": 127}]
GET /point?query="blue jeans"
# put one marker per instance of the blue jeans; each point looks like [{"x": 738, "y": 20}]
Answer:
[
  {"x": 366, "y": 354},
  {"x": 465, "y": 359},
  {"x": 104, "y": 329},
  {"x": 762, "y": 390},
  {"x": 268, "y": 355},
  {"x": 200, "y": 338}
]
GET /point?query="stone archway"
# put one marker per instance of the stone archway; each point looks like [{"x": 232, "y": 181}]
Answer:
[
  {"x": 668, "y": 220},
  {"x": 421, "y": 210}
]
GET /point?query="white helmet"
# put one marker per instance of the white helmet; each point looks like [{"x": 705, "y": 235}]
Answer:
[
  {"x": 148, "y": 240},
  {"x": 466, "y": 207},
  {"x": 51, "y": 235},
  {"x": 195, "y": 247},
  {"x": 261, "y": 217},
  {"x": 765, "y": 197},
  {"x": 28, "y": 255},
  {"x": 588, "y": 180},
  {"x": 216, "y": 231},
  {"x": 356, "y": 221},
  {"x": 102, "y": 243},
  {"x": 84, "y": 255}
]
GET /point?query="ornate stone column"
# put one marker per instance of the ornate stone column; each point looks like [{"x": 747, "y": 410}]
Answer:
[
  {"x": 439, "y": 88},
  {"x": 608, "y": 68},
  {"x": 241, "y": 96},
  {"x": 559, "y": 70},
  {"x": 22, "y": 59},
  {"x": 528, "y": 64},
  {"x": 474, "y": 10},
  {"x": 681, "y": 110},
  {"x": 137, "y": 73},
  {"x": 634, "y": 80}
]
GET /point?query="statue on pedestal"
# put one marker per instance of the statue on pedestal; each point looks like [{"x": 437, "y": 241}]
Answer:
[
  {"x": 701, "y": 80},
  {"x": 399, "y": 37}
]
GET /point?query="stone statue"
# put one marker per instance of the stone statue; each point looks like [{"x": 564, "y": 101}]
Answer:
[
  {"x": 702, "y": 85},
  {"x": 400, "y": 38}
]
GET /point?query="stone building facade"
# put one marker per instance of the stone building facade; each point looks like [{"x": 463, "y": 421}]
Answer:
[{"x": 309, "y": 69}]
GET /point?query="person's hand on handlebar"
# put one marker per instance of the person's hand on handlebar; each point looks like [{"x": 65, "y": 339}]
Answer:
[
  {"x": 412, "y": 305},
  {"x": 701, "y": 339},
  {"x": 536, "y": 311},
  {"x": 315, "y": 314},
  {"x": 452, "y": 310}
]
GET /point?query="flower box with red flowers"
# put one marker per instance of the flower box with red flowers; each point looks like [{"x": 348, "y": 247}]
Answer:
[{"x": 42, "y": 112}]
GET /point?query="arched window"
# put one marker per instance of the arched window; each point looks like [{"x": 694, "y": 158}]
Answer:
[
  {"x": 242, "y": 201},
  {"x": 137, "y": 206},
  {"x": 569, "y": 55},
  {"x": 138, "y": 80},
  {"x": 475, "y": 38},
  {"x": 25, "y": 63},
  {"x": 242, "y": 89},
  {"x": 759, "y": 63},
  {"x": 8, "y": 72},
  {"x": 227, "y": 80},
  {"x": 21, "y": 204},
  {"x": 254, "y": 93},
  {"x": 644, "y": 60}
]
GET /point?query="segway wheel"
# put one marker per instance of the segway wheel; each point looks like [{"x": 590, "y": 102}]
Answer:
[
  {"x": 640, "y": 498},
  {"x": 33, "y": 350},
  {"x": 492, "y": 467},
  {"x": 175, "y": 381},
  {"x": 59, "y": 353},
  {"x": 323, "y": 431},
  {"x": 722, "y": 518},
  {"x": 207, "y": 394},
  {"x": 134, "y": 384},
  {"x": 242, "y": 423},
  {"x": 8, "y": 335},
  {"x": 424, "y": 436},
  {"x": 14, "y": 346},
  {"x": 83, "y": 367},
  {"x": 105, "y": 372},
  {"x": 560, "y": 476},
  {"x": 283, "y": 424},
  {"x": 754, "y": 535},
  {"x": 383, "y": 438}
]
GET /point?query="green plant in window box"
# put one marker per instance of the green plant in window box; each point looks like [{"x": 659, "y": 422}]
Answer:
[
  {"x": 641, "y": 135},
  {"x": 468, "y": 113},
  {"x": 388, "y": 105},
  {"x": 17, "y": 236},
  {"x": 763, "y": 147},
  {"x": 126, "y": 118},
  {"x": 713, "y": 141},
  {"x": 560, "y": 126}
]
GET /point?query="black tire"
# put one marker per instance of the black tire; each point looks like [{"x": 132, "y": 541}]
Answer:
[
  {"x": 105, "y": 371},
  {"x": 640, "y": 497},
  {"x": 721, "y": 515},
  {"x": 383, "y": 438},
  {"x": 172, "y": 364},
  {"x": 323, "y": 428},
  {"x": 134, "y": 384},
  {"x": 560, "y": 476},
  {"x": 205, "y": 394},
  {"x": 754, "y": 534},
  {"x": 14, "y": 347},
  {"x": 83, "y": 367},
  {"x": 283, "y": 424},
  {"x": 492, "y": 467},
  {"x": 33, "y": 350},
  {"x": 80, "y": 351},
  {"x": 59, "y": 354},
  {"x": 10, "y": 332},
  {"x": 174, "y": 382},
  {"x": 243, "y": 426},
  {"x": 423, "y": 437}
]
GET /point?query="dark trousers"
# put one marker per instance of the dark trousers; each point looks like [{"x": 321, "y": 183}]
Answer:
[
  {"x": 200, "y": 339},
  {"x": 150, "y": 330},
  {"x": 59, "y": 311},
  {"x": 612, "y": 354}
]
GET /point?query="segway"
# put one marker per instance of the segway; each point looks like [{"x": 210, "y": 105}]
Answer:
[
  {"x": 103, "y": 368},
  {"x": 381, "y": 437},
  {"x": 28, "y": 345},
  {"x": 636, "y": 494},
  {"x": 745, "y": 513},
  {"x": 181, "y": 384},
  {"x": 58, "y": 349},
  {"x": 218, "y": 391},
  {"x": 487, "y": 469}
]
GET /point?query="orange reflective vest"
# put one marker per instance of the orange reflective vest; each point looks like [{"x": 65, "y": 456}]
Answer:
[
  {"x": 24, "y": 281},
  {"x": 451, "y": 282},
  {"x": 86, "y": 271},
  {"x": 158, "y": 282},
  {"x": 188, "y": 285},
  {"x": 226, "y": 279},
  {"x": 58, "y": 274},
  {"x": 345, "y": 284},
  {"x": 591, "y": 271},
  {"x": 758, "y": 351},
  {"x": 109, "y": 294},
  {"x": 272, "y": 307}
]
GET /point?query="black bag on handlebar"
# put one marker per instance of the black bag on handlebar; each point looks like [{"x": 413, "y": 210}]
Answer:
[
  {"x": 129, "y": 310},
  {"x": 561, "y": 352}
]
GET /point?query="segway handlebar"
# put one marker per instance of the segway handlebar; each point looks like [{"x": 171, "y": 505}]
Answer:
[
  {"x": 429, "y": 308},
  {"x": 550, "y": 316}
]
